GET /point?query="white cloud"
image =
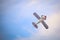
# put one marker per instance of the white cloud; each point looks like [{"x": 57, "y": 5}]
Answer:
[{"x": 32, "y": 2}]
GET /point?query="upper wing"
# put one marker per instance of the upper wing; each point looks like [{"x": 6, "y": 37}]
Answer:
[
  {"x": 37, "y": 16},
  {"x": 45, "y": 25}
]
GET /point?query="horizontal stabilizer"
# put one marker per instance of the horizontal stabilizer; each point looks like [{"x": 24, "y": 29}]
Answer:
[{"x": 35, "y": 25}]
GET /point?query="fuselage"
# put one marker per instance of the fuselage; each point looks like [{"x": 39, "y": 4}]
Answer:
[{"x": 41, "y": 19}]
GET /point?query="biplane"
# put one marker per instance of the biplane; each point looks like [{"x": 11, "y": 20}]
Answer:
[{"x": 41, "y": 20}]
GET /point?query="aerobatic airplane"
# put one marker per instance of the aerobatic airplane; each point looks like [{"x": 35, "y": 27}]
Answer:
[{"x": 41, "y": 20}]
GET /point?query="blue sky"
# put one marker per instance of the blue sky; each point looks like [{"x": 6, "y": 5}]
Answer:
[{"x": 17, "y": 18}]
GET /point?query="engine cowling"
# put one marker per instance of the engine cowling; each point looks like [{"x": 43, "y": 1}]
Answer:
[{"x": 44, "y": 17}]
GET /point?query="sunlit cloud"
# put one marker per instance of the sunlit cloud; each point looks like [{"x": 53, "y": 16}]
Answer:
[{"x": 53, "y": 22}]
